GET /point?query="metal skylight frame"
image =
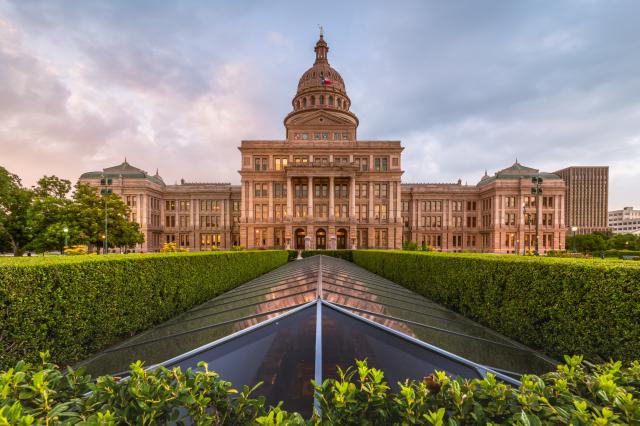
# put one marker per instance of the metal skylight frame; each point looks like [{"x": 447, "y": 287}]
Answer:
[{"x": 482, "y": 370}]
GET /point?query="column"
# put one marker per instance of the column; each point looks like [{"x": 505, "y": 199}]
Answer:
[
  {"x": 331, "y": 198},
  {"x": 310, "y": 198},
  {"x": 352, "y": 198},
  {"x": 270, "y": 201},
  {"x": 370, "y": 194},
  {"x": 399, "y": 204},
  {"x": 289, "y": 198},
  {"x": 391, "y": 208},
  {"x": 243, "y": 203},
  {"x": 250, "y": 207}
]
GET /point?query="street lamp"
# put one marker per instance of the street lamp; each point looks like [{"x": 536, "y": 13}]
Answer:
[
  {"x": 66, "y": 236},
  {"x": 536, "y": 191},
  {"x": 105, "y": 190},
  {"x": 574, "y": 229}
]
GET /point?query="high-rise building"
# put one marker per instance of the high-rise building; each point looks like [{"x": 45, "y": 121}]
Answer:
[
  {"x": 625, "y": 221},
  {"x": 323, "y": 187},
  {"x": 587, "y": 198}
]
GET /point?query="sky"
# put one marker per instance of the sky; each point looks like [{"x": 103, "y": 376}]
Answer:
[{"x": 465, "y": 85}]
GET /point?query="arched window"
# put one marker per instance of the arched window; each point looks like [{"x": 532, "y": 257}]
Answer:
[
  {"x": 298, "y": 104},
  {"x": 304, "y": 102},
  {"x": 331, "y": 100},
  {"x": 313, "y": 100},
  {"x": 321, "y": 99}
]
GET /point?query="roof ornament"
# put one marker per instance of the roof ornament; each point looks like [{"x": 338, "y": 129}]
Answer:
[{"x": 321, "y": 30}]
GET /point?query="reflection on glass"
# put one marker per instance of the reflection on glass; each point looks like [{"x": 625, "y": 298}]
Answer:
[
  {"x": 345, "y": 338},
  {"x": 280, "y": 354}
]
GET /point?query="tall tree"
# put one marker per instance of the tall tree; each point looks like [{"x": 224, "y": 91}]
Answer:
[
  {"x": 49, "y": 215},
  {"x": 88, "y": 214},
  {"x": 15, "y": 202}
]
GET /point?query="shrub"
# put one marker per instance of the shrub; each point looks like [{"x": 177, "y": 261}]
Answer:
[
  {"x": 76, "y": 305},
  {"x": 560, "y": 306},
  {"x": 237, "y": 248},
  {"x": 574, "y": 394},
  {"x": 410, "y": 245},
  {"x": 75, "y": 250},
  {"x": 171, "y": 247}
]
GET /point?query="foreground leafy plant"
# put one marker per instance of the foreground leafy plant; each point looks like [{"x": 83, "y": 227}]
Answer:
[{"x": 576, "y": 393}]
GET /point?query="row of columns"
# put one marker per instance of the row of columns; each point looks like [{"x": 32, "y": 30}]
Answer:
[{"x": 393, "y": 209}]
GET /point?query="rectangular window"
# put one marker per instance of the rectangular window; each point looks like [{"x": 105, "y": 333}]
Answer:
[
  {"x": 321, "y": 211},
  {"x": 170, "y": 221},
  {"x": 261, "y": 163},
  {"x": 380, "y": 164},
  {"x": 281, "y": 162},
  {"x": 337, "y": 136},
  {"x": 236, "y": 206},
  {"x": 300, "y": 210},
  {"x": 301, "y": 159},
  {"x": 362, "y": 163},
  {"x": 280, "y": 190},
  {"x": 170, "y": 205}
]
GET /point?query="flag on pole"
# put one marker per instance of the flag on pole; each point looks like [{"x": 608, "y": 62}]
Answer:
[{"x": 324, "y": 81}]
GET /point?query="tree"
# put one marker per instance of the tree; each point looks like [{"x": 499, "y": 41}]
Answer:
[
  {"x": 50, "y": 214},
  {"x": 15, "y": 202},
  {"x": 88, "y": 215},
  {"x": 624, "y": 242}
]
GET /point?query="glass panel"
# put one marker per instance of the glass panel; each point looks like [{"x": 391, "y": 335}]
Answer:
[
  {"x": 385, "y": 302},
  {"x": 280, "y": 354},
  {"x": 345, "y": 338},
  {"x": 265, "y": 297}
]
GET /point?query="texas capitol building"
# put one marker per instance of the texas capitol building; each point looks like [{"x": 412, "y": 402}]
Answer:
[{"x": 322, "y": 187}]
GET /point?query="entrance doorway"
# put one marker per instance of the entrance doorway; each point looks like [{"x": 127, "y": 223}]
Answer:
[
  {"x": 341, "y": 237},
  {"x": 321, "y": 239},
  {"x": 300, "y": 239}
]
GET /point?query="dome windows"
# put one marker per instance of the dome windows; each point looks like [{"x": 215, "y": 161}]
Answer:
[
  {"x": 304, "y": 102},
  {"x": 321, "y": 99},
  {"x": 313, "y": 100}
]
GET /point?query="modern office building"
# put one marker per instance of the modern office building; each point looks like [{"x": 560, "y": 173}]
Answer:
[
  {"x": 587, "y": 198},
  {"x": 322, "y": 187},
  {"x": 625, "y": 221}
]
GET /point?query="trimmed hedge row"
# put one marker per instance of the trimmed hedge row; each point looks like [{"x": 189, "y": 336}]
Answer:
[
  {"x": 575, "y": 394},
  {"x": 77, "y": 305},
  {"x": 558, "y": 305}
]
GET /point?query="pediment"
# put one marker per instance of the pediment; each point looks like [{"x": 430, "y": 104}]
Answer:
[{"x": 321, "y": 118}]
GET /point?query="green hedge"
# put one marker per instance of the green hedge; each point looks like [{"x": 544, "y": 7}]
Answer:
[
  {"x": 558, "y": 305},
  {"x": 74, "y": 306},
  {"x": 617, "y": 253},
  {"x": 575, "y": 394}
]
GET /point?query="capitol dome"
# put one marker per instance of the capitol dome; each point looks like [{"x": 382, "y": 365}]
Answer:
[{"x": 321, "y": 86}]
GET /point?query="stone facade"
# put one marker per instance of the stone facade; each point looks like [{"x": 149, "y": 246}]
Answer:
[{"x": 322, "y": 187}]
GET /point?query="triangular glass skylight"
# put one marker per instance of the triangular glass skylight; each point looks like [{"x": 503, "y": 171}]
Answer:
[{"x": 301, "y": 321}]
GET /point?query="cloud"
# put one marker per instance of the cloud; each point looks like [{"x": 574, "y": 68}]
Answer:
[{"x": 465, "y": 86}]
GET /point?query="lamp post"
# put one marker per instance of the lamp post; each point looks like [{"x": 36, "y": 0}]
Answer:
[
  {"x": 66, "y": 236},
  {"x": 574, "y": 229},
  {"x": 523, "y": 215},
  {"x": 537, "y": 192},
  {"x": 105, "y": 190}
]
